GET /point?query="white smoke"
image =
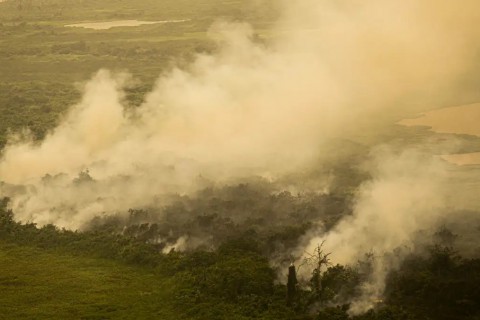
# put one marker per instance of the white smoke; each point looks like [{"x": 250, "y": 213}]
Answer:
[
  {"x": 333, "y": 69},
  {"x": 406, "y": 194}
]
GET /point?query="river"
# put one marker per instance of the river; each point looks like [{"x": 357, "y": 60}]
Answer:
[{"x": 459, "y": 120}]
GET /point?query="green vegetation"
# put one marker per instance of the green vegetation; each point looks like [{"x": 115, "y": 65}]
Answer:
[
  {"x": 117, "y": 268},
  {"x": 67, "y": 275},
  {"x": 36, "y": 45},
  {"x": 41, "y": 59},
  {"x": 45, "y": 284},
  {"x": 103, "y": 274}
]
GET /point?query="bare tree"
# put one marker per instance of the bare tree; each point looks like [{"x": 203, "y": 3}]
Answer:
[
  {"x": 317, "y": 260},
  {"x": 291, "y": 284}
]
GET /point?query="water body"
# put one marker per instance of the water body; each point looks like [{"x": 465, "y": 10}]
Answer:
[
  {"x": 460, "y": 120},
  {"x": 105, "y": 25}
]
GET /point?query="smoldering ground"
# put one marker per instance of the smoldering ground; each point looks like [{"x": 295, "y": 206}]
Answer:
[{"x": 334, "y": 71}]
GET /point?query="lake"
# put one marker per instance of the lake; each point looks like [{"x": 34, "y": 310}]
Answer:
[{"x": 118, "y": 23}]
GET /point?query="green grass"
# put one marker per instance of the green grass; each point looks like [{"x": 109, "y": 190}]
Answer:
[
  {"x": 87, "y": 10},
  {"x": 40, "y": 284},
  {"x": 34, "y": 37},
  {"x": 37, "y": 50}
]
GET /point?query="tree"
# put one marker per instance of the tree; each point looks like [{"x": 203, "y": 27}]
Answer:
[
  {"x": 291, "y": 284},
  {"x": 317, "y": 259},
  {"x": 6, "y": 217}
]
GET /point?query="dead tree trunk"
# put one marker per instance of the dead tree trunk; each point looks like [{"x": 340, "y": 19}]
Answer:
[{"x": 291, "y": 284}]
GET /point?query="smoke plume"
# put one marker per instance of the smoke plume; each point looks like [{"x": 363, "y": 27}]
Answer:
[
  {"x": 406, "y": 194},
  {"x": 332, "y": 69}
]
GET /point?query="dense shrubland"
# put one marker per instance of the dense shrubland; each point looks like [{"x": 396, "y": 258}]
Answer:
[{"x": 233, "y": 276}]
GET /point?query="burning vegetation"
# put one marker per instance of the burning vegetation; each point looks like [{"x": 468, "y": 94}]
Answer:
[{"x": 261, "y": 175}]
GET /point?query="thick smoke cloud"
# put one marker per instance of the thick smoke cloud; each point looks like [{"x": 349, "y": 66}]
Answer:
[
  {"x": 407, "y": 193},
  {"x": 334, "y": 69}
]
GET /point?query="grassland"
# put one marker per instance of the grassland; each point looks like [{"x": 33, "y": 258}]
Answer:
[
  {"x": 47, "y": 273},
  {"x": 36, "y": 45},
  {"x": 38, "y": 284},
  {"x": 41, "y": 59}
]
